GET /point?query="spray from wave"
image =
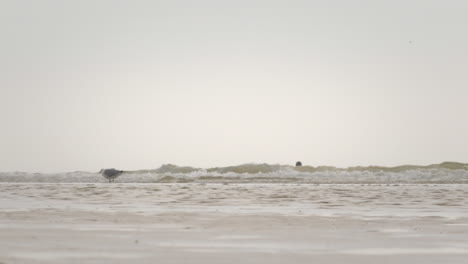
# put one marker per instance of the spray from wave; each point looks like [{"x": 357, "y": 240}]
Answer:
[{"x": 446, "y": 172}]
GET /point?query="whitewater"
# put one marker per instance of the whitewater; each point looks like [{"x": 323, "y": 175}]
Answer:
[{"x": 443, "y": 173}]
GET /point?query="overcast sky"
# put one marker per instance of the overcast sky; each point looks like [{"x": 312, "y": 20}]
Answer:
[{"x": 135, "y": 84}]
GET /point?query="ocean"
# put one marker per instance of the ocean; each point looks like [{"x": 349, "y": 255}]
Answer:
[
  {"x": 443, "y": 173},
  {"x": 257, "y": 213}
]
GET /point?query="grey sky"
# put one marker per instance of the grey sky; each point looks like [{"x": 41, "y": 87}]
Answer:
[{"x": 134, "y": 84}]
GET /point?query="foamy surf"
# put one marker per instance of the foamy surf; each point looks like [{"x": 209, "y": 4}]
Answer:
[{"x": 444, "y": 173}]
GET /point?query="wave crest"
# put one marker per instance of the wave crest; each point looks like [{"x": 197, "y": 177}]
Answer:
[{"x": 447, "y": 172}]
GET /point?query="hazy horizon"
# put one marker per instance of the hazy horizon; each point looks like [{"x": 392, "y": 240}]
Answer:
[{"x": 133, "y": 85}]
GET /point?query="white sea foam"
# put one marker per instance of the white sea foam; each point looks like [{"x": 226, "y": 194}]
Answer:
[{"x": 264, "y": 173}]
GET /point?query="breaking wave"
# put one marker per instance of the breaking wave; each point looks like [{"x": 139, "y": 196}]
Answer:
[{"x": 447, "y": 172}]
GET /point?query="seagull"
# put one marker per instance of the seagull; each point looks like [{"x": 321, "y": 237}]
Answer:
[{"x": 110, "y": 174}]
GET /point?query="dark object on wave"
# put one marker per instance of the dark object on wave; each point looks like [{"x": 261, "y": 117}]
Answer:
[
  {"x": 110, "y": 174},
  {"x": 298, "y": 164}
]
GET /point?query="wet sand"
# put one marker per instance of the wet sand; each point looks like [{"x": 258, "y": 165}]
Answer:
[{"x": 216, "y": 223}]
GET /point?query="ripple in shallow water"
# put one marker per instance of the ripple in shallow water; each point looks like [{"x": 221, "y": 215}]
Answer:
[{"x": 358, "y": 200}]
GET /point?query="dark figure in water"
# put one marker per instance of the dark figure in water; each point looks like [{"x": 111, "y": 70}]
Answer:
[
  {"x": 110, "y": 174},
  {"x": 298, "y": 164}
]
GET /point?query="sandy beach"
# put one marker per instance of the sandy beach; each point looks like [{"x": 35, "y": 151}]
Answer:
[{"x": 229, "y": 223}]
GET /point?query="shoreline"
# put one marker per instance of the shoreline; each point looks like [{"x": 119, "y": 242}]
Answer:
[
  {"x": 228, "y": 223},
  {"x": 59, "y": 236}
]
